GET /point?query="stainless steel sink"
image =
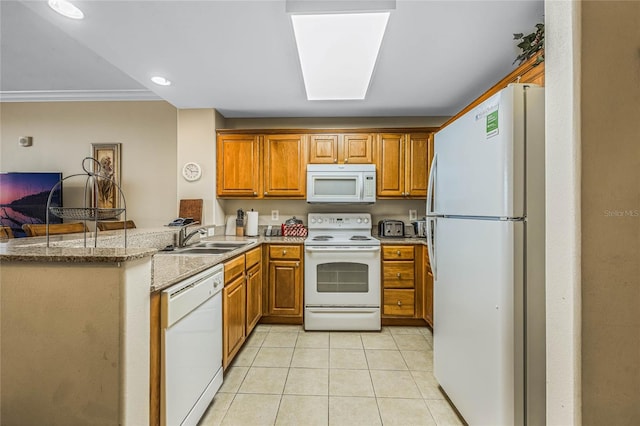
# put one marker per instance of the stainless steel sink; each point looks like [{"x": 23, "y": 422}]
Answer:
[
  {"x": 211, "y": 247},
  {"x": 201, "y": 250},
  {"x": 230, "y": 245}
]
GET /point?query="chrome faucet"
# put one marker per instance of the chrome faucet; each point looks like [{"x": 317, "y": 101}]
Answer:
[{"x": 183, "y": 236}]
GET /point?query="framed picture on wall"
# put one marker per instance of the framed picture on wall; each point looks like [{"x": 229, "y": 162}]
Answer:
[{"x": 105, "y": 194}]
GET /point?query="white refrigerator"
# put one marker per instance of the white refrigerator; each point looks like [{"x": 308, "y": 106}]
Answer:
[{"x": 485, "y": 228}]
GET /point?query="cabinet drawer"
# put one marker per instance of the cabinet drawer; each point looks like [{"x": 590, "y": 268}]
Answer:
[
  {"x": 399, "y": 303},
  {"x": 398, "y": 274},
  {"x": 397, "y": 252},
  {"x": 284, "y": 252},
  {"x": 253, "y": 257},
  {"x": 233, "y": 269}
]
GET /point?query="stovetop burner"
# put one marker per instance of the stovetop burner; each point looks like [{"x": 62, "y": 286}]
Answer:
[
  {"x": 360, "y": 238},
  {"x": 322, "y": 238}
]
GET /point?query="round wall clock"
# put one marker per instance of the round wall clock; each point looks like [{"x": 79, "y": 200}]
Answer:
[{"x": 191, "y": 171}]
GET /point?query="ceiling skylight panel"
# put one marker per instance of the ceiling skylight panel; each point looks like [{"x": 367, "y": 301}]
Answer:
[{"x": 338, "y": 52}]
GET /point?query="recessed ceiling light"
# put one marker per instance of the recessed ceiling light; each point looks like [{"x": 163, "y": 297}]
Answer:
[
  {"x": 161, "y": 81},
  {"x": 65, "y": 8},
  {"x": 338, "y": 52}
]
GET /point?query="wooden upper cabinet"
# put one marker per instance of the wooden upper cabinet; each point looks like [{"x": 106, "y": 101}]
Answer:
[
  {"x": 356, "y": 148},
  {"x": 238, "y": 162},
  {"x": 402, "y": 163},
  {"x": 353, "y": 148},
  {"x": 390, "y": 165},
  {"x": 285, "y": 166},
  {"x": 417, "y": 163},
  {"x": 323, "y": 149}
]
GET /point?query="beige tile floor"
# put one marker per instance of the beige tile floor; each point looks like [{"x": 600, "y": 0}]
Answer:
[{"x": 286, "y": 376}]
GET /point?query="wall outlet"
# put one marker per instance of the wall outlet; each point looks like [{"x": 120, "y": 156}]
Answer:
[
  {"x": 211, "y": 231},
  {"x": 413, "y": 215},
  {"x": 275, "y": 215}
]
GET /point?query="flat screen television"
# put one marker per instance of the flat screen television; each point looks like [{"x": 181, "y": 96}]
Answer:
[{"x": 23, "y": 198}]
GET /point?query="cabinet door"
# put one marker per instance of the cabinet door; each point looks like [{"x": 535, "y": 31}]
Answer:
[
  {"x": 390, "y": 165},
  {"x": 356, "y": 148},
  {"x": 254, "y": 297},
  {"x": 285, "y": 288},
  {"x": 284, "y": 166},
  {"x": 233, "y": 311},
  {"x": 238, "y": 166},
  {"x": 417, "y": 162},
  {"x": 323, "y": 149}
]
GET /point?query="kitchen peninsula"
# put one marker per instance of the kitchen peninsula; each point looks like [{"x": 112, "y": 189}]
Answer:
[{"x": 75, "y": 331}]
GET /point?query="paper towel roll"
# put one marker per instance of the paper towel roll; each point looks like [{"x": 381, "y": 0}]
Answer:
[
  {"x": 231, "y": 226},
  {"x": 252, "y": 224}
]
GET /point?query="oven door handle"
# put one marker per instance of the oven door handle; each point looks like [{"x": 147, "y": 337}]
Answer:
[{"x": 345, "y": 249}]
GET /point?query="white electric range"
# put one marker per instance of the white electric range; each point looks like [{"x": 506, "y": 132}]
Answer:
[{"x": 342, "y": 273}]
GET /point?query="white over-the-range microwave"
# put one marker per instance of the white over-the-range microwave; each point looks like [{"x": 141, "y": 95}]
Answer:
[{"x": 341, "y": 183}]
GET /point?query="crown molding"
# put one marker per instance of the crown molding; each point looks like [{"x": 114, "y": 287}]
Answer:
[{"x": 78, "y": 95}]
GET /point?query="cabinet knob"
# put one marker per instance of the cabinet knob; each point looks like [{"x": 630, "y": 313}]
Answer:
[
  {"x": 255, "y": 193},
  {"x": 398, "y": 252},
  {"x": 399, "y": 303},
  {"x": 398, "y": 274},
  {"x": 335, "y": 160},
  {"x": 297, "y": 264},
  {"x": 346, "y": 160},
  {"x": 265, "y": 192},
  {"x": 284, "y": 252}
]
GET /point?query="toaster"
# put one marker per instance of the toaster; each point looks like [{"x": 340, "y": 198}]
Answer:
[{"x": 391, "y": 228}]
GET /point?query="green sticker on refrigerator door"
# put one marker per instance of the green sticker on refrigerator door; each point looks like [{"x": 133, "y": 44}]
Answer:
[{"x": 492, "y": 124}]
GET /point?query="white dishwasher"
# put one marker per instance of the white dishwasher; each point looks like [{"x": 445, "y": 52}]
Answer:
[{"x": 191, "y": 346}]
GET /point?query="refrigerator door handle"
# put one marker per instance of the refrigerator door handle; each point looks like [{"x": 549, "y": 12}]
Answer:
[
  {"x": 431, "y": 246},
  {"x": 431, "y": 193}
]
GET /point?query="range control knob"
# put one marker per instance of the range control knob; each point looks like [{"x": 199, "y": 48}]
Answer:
[
  {"x": 313, "y": 220},
  {"x": 359, "y": 220},
  {"x": 366, "y": 220},
  {"x": 319, "y": 220}
]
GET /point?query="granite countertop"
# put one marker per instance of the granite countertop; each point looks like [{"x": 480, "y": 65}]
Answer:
[
  {"x": 402, "y": 240},
  {"x": 70, "y": 248},
  {"x": 73, "y": 254},
  {"x": 168, "y": 268},
  {"x": 171, "y": 268}
]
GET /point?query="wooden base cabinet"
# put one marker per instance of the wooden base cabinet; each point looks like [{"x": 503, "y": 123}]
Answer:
[
  {"x": 284, "y": 289},
  {"x": 398, "y": 281},
  {"x": 234, "y": 331},
  {"x": 253, "y": 260},
  {"x": 241, "y": 302}
]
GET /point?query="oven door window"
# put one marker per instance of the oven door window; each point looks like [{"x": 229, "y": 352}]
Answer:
[{"x": 342, "y": 277}]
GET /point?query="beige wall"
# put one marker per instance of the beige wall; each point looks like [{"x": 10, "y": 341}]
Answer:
[
  {"x": 62, "y": 136},
  {"x": 197, "y": 143},
  {"x": 610, "y": 212}
]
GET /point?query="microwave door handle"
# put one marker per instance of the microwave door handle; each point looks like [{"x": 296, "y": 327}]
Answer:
[{"x": 361, "y": 178}]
